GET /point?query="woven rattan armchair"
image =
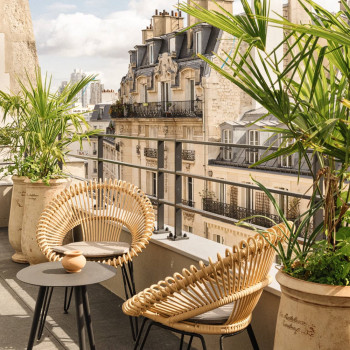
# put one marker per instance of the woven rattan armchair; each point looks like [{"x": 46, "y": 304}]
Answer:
[
  {"x": 93, "y": 216},
  {"x": 217, "y": 298}
]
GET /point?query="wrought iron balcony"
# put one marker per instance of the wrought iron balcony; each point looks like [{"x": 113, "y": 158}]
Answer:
[
  {"x": 236, "y": 212},
  {"x": 189, "y": 203},
  {"x": 150, "y": 152},
  {"x": 173, "y": 109},
  {"x": 188, "y": 155},
  {"x": 241, "y": 156}
]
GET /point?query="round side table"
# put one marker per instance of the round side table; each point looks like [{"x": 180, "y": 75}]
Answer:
[{"x": 52, "y": 274}]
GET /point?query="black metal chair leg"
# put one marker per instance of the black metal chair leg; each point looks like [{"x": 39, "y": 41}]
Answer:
[
  {"x": 202, "y": 341},
  {"x": 37, "y": 311},
  {"x": 146, "y": 335},
  {"x": 45, "y": 309},
  {"x": 222, "y": 342},
  {"x": 190, "y": 343},
  {"x": 67, "y": 299},
  {"x": 140, "y": 333},
  {"x": 88, "y": 317},
  {"x": 252, "y": 337},
  {"x": 80, "y": 317},
  {"x": 129, "y": 290},
  {"x": 182, "y": 341}
]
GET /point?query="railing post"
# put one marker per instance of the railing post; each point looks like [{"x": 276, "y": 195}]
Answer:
[
  {"x": 100, "y": 157},
  {"x": 160, "y": 187},
  {"x": 318, "y": 217},
  {"x": 178, "y": 195}
]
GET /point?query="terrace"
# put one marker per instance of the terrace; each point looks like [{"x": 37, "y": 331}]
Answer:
[{"x": 165, "y": 256}]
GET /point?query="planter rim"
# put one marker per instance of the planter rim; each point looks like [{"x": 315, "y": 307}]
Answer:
[
  {"x": 288, "y": 281},
  {"x": 19, "y": 178},
  {"x": 51, "y": 182}
]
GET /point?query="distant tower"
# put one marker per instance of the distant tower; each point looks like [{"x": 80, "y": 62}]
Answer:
[
  {"x": 96, "y": 89},
  {"x": 76, "y": 76},
  {"x": 17, "y": 44}
]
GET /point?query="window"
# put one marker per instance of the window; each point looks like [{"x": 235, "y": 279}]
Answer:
[
  {"x": 95, "y": 167},
  {"x": 188, "y": 228},
  {"x": 227, "y": 138},
  {"x": 165, "y": 95},
  {"x": 143, "y": 93},
  {"x": 287, "y": 161},
  {"x": 253, "y": 140},
  {"x": 222, "y": 193},
  {"x": 151, "y": 54},
  {"x": 198, "y": 42},
  {"x": 151, "y": 183},
  {"x": 172, "y": 45},
  {"x": 218, "y": 238},
  {"x": 262, "y": 204},
  {"x": 190, "y": 191}
]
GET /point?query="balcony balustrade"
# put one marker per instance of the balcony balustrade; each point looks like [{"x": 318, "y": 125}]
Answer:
[
  {"x": 173, "y": 109},
  {"x": 188, "y": 155},
  {"x": 242, "y": 157},
  {"x": 189, "y": 203},
  {"x": 150, "y": 152}
]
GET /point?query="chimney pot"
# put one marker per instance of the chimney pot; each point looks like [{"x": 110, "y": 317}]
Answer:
[
  {"x": 156, "y": 13},
  {"x": 172, "y": 13}
]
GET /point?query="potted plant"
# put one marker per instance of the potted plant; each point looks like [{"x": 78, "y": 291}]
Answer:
[
  {"x": 44, "y": 127},
  {"x": 117, "y": 110},
  {"x": 309, "y": 97}
]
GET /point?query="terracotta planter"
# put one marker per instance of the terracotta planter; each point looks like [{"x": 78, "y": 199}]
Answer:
[
  {"x": 16, "y": 218},
  {"x": 38, "y": 196},
  {"x": 312, "y": 316},
  {"x": 73, "y": 261}
]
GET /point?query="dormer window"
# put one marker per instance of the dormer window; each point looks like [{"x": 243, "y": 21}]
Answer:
[
  {"x": 198, "y": 42},
  {"x": 151, "y": 53},
  {"x": 172, "y": 45}
]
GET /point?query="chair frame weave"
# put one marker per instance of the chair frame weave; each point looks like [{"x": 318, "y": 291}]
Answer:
[
  {"x": 237, "y": 278},
  {"x": 102, "y": 210}
]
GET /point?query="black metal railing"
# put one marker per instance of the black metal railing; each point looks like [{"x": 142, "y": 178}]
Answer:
[
  {"x": 176, "y": 171},
  {"x": 188, "y": 155},
  {"x": 241, "y": 157},
  {"x": 150, "y": 152},
  {"x": 239, "y": 213},
  {"x": 165, "y": 109},
  {"x": 189, "y": 203}
]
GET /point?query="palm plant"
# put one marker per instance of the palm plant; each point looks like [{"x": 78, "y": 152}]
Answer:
[
  {"x": 42, "y": 126},
  {"x": 309, "y": 96}
]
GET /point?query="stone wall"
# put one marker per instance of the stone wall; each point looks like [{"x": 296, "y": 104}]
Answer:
[{"x": 17, "y": 43}]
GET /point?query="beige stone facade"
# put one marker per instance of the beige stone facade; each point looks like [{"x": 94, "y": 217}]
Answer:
[{"x": 163, "y": 82}]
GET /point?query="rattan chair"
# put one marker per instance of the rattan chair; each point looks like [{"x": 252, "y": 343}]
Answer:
[
  {"x": 90, "y": 216},
  {"x": 218, "y": 298}
]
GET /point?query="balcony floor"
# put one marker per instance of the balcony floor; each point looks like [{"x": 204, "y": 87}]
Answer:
[{"x": 17, "y": 300}]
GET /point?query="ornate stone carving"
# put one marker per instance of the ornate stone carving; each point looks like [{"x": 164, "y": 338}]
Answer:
[
  {"x": 166, "y": 69},
  {"x": 189, "y": 217}
]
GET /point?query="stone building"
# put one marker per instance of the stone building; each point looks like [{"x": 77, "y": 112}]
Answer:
[
  {"x": 96, "y": 89},
  {"x": 168, "y": 92}
]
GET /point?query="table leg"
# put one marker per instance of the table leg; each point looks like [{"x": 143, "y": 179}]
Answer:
[
  {"x": 88, "y": 317},
  {"x": 80, "y": 316},
  {"x": 37, "y": 311}
]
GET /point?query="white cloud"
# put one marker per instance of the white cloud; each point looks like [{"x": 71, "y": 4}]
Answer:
[
  {"x": 79, "y": 34},
  {"x": 61, "y": 7}
]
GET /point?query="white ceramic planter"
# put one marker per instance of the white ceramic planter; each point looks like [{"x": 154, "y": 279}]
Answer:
[
  {"x": 312, "y": 316},
  {"x": 38, "y": 196},
  {"x": 16, "y": 218}
]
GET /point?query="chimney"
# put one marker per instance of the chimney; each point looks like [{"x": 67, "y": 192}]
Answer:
[{"x": 165, "y": 22}]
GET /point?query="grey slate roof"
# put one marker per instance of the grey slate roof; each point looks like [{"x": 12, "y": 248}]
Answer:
[{"x": 99, "y": 114}]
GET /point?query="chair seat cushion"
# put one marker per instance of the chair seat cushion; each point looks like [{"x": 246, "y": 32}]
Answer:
[
  {"x": 96, "y": 249},
  {"x": 216, "y": 316}
]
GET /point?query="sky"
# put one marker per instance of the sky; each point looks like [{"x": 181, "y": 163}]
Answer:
[{"x": 96, "y": 35}]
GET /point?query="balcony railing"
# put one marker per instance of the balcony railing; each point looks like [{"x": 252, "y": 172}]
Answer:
[
  {"x": 189, "y": 203},
  {"x": 241, "y": 157},
  {"x": 218, "y": 212},
  {"x": 173, "y": 109},
  {"x": 150, "y": 152},
  {"x": 239, "y": 213},
  {"x": 188, "y": 155}
]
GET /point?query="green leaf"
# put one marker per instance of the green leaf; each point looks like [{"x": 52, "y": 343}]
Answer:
[{"x": 343, "y": 233}]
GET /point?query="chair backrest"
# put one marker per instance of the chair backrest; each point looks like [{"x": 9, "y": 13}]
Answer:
[
  {"x": 101, "y": 210},
  {"x": 238, "y": 277}
]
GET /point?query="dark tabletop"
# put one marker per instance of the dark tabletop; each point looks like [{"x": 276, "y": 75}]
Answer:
[{"x": 52, "y": 274}]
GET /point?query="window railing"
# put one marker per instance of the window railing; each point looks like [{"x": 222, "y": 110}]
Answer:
[
  {"x": 189, "y": 155},
  {"x": 241, "y": 157},
  {"x": 239, "y": 213},
  {"x": 189, "y": 203},
  {"x": 220, "y": 213},
  {"x": 164, "y": 109},
  {"x": 150, "y": 152}
]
